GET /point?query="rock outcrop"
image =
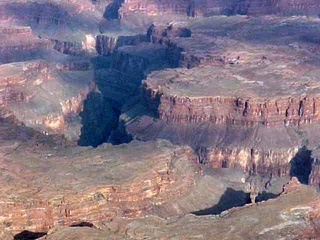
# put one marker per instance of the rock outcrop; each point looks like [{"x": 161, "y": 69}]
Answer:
[
  {"x": 294, "y": 215},
  {"x": 16, "y": 75},
  {"x": 40, "y": 97},
  {"x": 232, "y": 100},
  {"x": 19, "y": 43},
  {"x": 209, "y": 8},
  {"x": 256, "y": 104},
  {"x": 105, "y": 44},
  {"x": 66, "y": 193},
  {"x": 238, "y": 95}
]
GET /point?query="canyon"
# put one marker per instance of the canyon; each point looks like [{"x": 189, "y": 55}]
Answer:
[
  {"x": 218, "y": 7},
  {"x": 155, "y": 119}
]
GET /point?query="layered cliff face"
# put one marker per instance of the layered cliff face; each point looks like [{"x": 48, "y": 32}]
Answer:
[
  {"x": 216, "y": 7},
  {"x": 285, "y": 7},
  {"x": 241, "y": 104},
  {"x": 18, "y": 44},
  {"x": 294, "y": 215},
  {"x": 15, "y": 76},
  {"x": 236, "y": 95},
  {"x": 255, "y": 104},
  {"x": 64, "y": 191},
  {"x": 45, "y": 99},
  {"x": 184, "y": 7},
  {"x": 46, "y": 89},
  {"x": 105, "y": 44},
  {"x": 46, "y": 13},
  {"x": 154, "y": 7}
]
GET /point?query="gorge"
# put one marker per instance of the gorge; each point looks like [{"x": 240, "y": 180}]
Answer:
[{"x": 156, "y": 119}]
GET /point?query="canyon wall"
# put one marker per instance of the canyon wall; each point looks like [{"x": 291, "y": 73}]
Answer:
[
  {"x": 156, "y": 7},
  {"x": 221, "y": 110},
  {"x": 37, "y": 13},
  {"x": 19, "y": 74},
  {"x": 19, "y": 43},
  {"x": 275, "y": 162},
  {"x": 105, "y": 44},
  {"x": 122, "y": 188},
  {"x": 216, "y": 7},
  {"x": 25, "y": 89}
]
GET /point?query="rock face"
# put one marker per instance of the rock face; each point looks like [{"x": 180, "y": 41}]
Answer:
[
  {"x": 46, "y": 89},
  {"x": 105, "y": 44},
  {"x": 154, "y": 7},
  {"x": 297, "y": 218},
  {"x": 18, "y": 74},
  {"x": 220, "y": 101},
  {"x": 156, "y": 172},
  {"x": 25, "y": 87},
  {"x": 230, "y": 101},
  {"x": 18, "y": 44},
  {"x": 134, "y": 182},
  {"x": 238, "y": 95},
  {"x": 229, "y": 7},
  {"x": 70, "y": 48}
]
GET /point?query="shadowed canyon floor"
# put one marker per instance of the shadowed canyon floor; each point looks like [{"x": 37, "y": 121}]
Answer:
[{"x": 157, "y": 119}]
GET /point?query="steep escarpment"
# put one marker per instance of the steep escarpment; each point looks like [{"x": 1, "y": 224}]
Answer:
[
  {"x": 40, "y": 14},
  {"x": 25, "y": 95},
  {"x": 238, "y": 95},
  {"x": 184, "y": 112},
  {"x": 130, "y": 180},
  {"x": 235, "y": 97},
  {"x": 209, "y": 8},
  {"x": 297, "y": 7},
  {"x": 19, "y": 43},
  {"x": 256, "y": 104},
  {"x": 295, "y": 213},
  {"x": 127, "y": 61},
  {"x": 16, "y": 75},
  {"x": 86, "y": 186},
  {"x": 46, "y": 89},
  {"x": 156, "y": 7},
  {"x": 106, "y": 44}
]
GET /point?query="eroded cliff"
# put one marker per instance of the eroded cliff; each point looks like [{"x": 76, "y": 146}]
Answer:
[{"x": 236, "y": 96}]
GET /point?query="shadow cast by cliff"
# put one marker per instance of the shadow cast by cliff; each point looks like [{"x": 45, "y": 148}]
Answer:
[
  {"x": 231, "y": 198},
  {"x": 27, "y": 235},
  {"x": 301, "y": 165}
]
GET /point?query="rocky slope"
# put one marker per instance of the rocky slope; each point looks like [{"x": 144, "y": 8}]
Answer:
[
  {"x": 47, "y": 86},
  {"x": 236, "y": 95},
  {"x": 48, "y": 183},
  {"x": 292, "y": 219},
  {"x": 19, "y": 43},
  {"x": 47, "y": 100},
  {"x": 209, "y": 8}
]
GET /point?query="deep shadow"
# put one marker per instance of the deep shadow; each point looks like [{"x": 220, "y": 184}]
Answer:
[
  {"x": 27, "y": 235},
  {"x": 231, "y": 198},
  {"x": 301, "y": 165},
  {"x": 98, "y": 120},
  {"x": 83, "y": 224},
  {"x": 119, "y": 135},
  {"x": 264, "y": 196},
  {"x": 117, "y": 85},
  {"x": 112, "y": 10}
]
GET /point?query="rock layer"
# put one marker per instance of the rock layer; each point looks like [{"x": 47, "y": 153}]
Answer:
[
  {"x": 256, "y": 104},
  {"x": 236, "y": 95},
  {"x": 25, "y": 87},
  {"x": 19, "y": 43},
  {"x": 64, "y": 191},
  {"x": 229, "y": 7},
  {"x": 295, "y": 216}
]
